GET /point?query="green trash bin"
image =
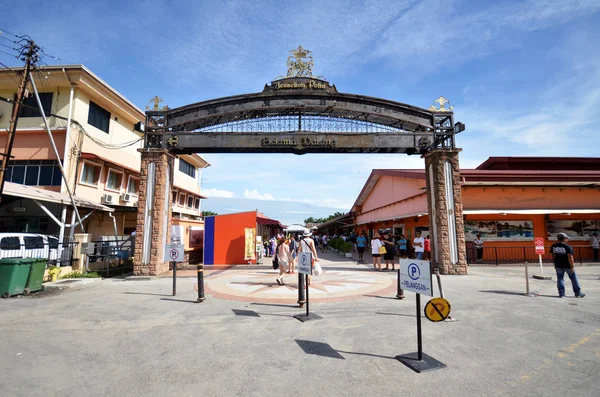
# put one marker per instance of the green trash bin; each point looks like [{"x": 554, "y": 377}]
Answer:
[
  {"x": 36, "y": 275},
  {"x": 14, "y": 273}
]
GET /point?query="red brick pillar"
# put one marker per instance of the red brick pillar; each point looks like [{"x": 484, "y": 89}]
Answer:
[
  {"x": 446, "y": 224},
  {"x": 154, "y": 212}
]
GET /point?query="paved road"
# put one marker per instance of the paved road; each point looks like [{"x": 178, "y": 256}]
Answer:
[{"x": 126, "y": 338}]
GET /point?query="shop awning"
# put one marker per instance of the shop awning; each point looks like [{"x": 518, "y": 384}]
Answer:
[
  {"x": 268, "y": 222},
  {"x": 35, "y": 193},
  {"x": 531, "y": 212}
]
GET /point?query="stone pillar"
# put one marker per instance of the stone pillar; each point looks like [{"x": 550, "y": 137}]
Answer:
[
  {"x": 446, "y": 223},
  {"x": 154, "y": 212}
]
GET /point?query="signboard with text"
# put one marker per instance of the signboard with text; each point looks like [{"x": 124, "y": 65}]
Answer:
[
  {"x": 304, "y": 263},
  {"x": 539, "y": 245},
  {"x": 415, "y": 276}
]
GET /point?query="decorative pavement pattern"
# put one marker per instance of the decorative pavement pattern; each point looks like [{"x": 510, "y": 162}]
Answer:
[{"x": 259, "y": 285}]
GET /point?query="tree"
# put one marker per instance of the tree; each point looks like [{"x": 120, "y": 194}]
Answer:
[
  {"x": 209, "y": 213},
  {"x": 322, "y": 220}
]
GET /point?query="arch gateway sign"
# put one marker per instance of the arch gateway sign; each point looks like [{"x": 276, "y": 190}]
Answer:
[{"x": 300, "y": 113}]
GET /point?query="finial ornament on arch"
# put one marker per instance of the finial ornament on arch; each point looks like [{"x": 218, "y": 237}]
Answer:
[
  {"x": 442, "y": 108},
  {"x": 300, "y": 64}
]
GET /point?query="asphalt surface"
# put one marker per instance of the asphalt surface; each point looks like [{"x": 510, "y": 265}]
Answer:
[{"x": 133, "y": 338}]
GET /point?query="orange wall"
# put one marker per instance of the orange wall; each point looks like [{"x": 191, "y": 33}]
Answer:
[
  {"x": 230, "y": 237},
  {"x": 35, "y": 145},
  {"x": 530, "y": 198}
]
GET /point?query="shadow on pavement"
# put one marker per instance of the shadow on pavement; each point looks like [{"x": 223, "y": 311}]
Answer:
[
  {"x": 275, "y": 304},
  {"x": 383, "y": 297},
  {"x": 145, "y": 293},
  {"x": 502, "y": 292},
  {"x": 177, "y": 300},
  {"x": 396, "y": 314},
  {"x": 366, "y": 354},
  {"x": 319, "y": 349},
  {"x": 247, "y": 313}
]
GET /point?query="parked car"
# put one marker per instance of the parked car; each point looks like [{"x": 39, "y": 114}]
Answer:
[{"x": 31, "y": 245}]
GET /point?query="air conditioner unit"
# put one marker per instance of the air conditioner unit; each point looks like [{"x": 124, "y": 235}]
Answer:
[
  {"x": 107, "y": 199},
  {"x": 126, "y": 197}
]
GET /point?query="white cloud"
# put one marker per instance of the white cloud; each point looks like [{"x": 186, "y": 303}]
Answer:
[
  {"x": 462, "y": 34},
  {"x": 217, "y": 193},
  {"x": 255, "y": 195}
]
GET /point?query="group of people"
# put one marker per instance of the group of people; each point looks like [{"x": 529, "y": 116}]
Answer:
[
  {"x": 387, "y": 246},
  {"x": 287, "y": 248}
]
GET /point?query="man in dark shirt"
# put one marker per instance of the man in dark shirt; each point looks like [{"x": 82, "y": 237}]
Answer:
[{"x": 564, "y": 262}]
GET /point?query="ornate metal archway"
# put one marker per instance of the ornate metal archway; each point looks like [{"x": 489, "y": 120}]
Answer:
[{"x": 299, "y": 114}]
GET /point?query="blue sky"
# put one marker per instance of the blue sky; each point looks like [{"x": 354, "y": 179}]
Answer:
[{"x": 524, "y": 76}]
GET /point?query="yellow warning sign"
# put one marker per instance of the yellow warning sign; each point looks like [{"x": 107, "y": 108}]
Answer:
[{"x": 437, "y": 309}]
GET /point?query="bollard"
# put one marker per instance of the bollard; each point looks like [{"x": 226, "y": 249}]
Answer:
[
  {"x": 400, "y": 291},
  {"x": 174, "y": 265},
  {"x": 201, "y": 297},
  {"x": 301, "y": 300}
]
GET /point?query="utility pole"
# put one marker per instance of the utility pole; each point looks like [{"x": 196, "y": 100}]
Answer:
[{"x": 30, "y": 57}]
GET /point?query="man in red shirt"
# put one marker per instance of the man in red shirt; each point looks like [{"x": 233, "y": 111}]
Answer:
[{"x": 427, "y": 247}]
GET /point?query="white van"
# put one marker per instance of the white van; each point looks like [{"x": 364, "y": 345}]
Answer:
[{"x": 28, "y": 245}]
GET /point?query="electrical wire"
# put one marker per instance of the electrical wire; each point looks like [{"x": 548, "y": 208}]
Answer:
[
  {"x": 7, "y": 46},
  {"x": 10, "y": 74},
  {"x": 98, "y": 142},
  {"x": 11, "y": 55},
  {"x": 6, "y": 31}
]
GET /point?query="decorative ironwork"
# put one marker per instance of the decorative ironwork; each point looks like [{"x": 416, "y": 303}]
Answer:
[
  {"x": 303, "y": 123},
  {"x": 442, "y": 108},
  {"x": 300, "y": 64},
  {"x": 155, "y": 104}
]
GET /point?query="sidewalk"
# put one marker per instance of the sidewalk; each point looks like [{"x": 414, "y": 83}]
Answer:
[{"x": 132, "y": 338}]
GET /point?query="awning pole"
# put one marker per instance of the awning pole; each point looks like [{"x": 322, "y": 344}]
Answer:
[{"x": 62, "y": 171}]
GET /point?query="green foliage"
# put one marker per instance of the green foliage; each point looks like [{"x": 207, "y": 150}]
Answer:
[
  {"x": 209, "y": 213},
  {"x": 340, "y": 245},
  {"x": 82, "y": 275},
  {"x": 322, "y": 220}
]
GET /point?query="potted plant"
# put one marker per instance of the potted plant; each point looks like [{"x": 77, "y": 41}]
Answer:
[{"x": 346, "y": 248}]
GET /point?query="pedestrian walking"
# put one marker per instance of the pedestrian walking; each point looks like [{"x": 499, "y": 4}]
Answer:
[
  {"x": 376, "y": 246},
  {"x": 565, "y": 263},
  {"x": 283, "y": 257},
  {"x": 294, "y": 251},
  {"x": 361, "y": 242},
  {"x": 390, "y": 253},
  {"x": 308, "y": 245},
  {"x": 478, "y": 247},
  {"x": 419, "y": 245},
  {"x": 595, "y": 246}
]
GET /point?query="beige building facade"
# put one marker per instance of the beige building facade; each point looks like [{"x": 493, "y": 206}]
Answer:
[{"x": 99, "y": 152}]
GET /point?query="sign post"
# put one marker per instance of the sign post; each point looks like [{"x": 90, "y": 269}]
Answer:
[
  {"x": 416, "y": 277},
  {"x": 174, "y": 254},
  {"x": 539, "y": 251},
  {"x": 305, "y": 267}
]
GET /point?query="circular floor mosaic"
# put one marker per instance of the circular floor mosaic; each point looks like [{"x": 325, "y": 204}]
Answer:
[{"x": 334, "y": 285}]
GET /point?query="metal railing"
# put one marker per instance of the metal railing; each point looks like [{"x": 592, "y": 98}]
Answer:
[
  {"x": 111, "y": 257},
  {"x": 54, "y": 253},
  {"x": 496, "y": 256}
]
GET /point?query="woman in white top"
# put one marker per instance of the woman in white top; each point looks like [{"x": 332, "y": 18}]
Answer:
[
  {"x": 308, "y": 245},
  {"x": 375, "y": 245},
  {"x": 284, "y": 257}
]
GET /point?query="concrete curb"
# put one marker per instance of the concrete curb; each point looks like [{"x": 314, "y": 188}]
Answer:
[{"x": 70, "y": 283}]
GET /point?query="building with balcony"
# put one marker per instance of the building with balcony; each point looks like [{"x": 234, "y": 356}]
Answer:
[{"x": 99, "y": 153}]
